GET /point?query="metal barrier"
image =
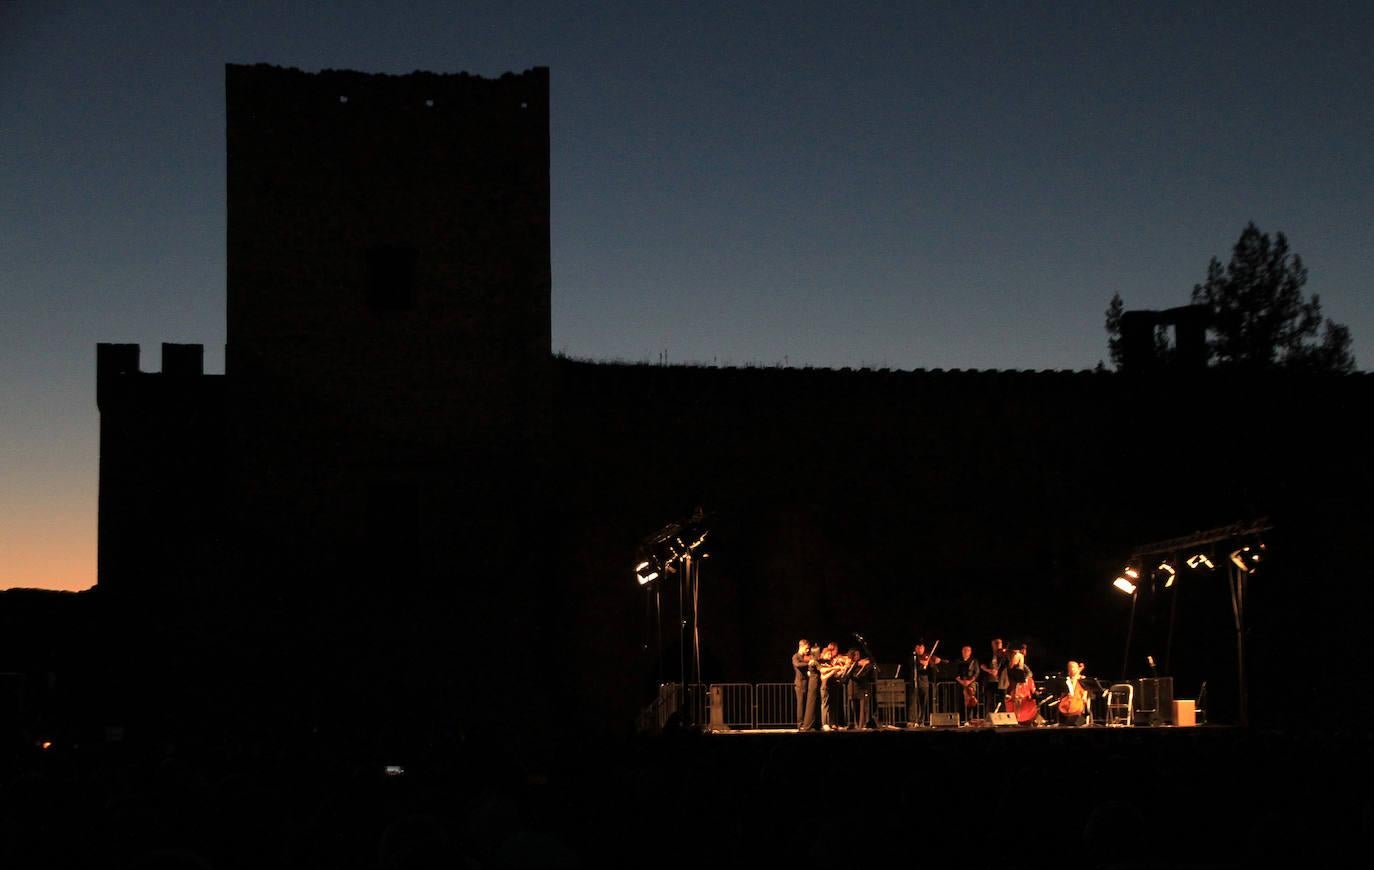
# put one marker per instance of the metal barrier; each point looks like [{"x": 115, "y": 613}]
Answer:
[
  {"x": 736, "y": 705},
  {"x": 656, "y": 714},
  {"x": 699, "y": 703},
  {"x": 949, "y": 698},
  {"x": 891, "y": 701},
  {"x": 775, "y": 705},
  {"x": 650, "y": 718}
]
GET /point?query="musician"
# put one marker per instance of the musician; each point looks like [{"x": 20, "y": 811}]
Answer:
[
  {"x": 828, "y": 670},
  {"x": 1021, "y": 684},
  {"x": 994, "y": 676},
  {"x": 863, "y": 686},
  {"x": 1024, "y": 650},
  {"x": 813, "y": 689},
  {"x": 844, "y": 666},
  {"x": 966, "y": 674},
  {"x": 918, "y": 704},
  {"x": 799, "y": 665},
  {"x": 1072, "y": 712}
]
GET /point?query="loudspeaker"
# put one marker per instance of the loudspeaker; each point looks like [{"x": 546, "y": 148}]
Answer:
[
  {"x": 1003, "y": 719},
  {"x": 1156, "y": 699},
  {"x": 944, "y": 720}
]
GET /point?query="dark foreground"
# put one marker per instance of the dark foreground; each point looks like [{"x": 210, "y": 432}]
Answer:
[{"x": 1086, "y": 798}]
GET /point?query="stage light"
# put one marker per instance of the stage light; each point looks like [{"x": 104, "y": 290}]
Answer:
[
  {"x": 1168, "y": 570},
  {"x": 1246, "y": 559},
  {"x": 45, "y": 744},
  {"x": 1200, "y": 559},
  {"x": 645, "y": 572},
  {"x": 1124, "y": 585}
]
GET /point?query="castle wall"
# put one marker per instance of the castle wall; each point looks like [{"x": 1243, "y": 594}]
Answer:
[
  {"x": 944, "y": 505},
  {"x": 163, "y": 453}
]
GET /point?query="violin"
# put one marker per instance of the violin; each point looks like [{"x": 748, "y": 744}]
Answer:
[
  {"x": 970, "y": 691},
  {"x": 835, "y": 665},
  {"x": 930, "y": 658}
]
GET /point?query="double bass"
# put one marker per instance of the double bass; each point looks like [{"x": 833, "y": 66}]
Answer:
[{"x": 1021, "y": 697}]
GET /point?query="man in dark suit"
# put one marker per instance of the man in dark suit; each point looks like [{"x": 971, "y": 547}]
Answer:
[
  {"x": 966, "y": 675},
  {"x": 799, "y": 666},
  {"x": 918, "y": 706},
  {"x": 863, "y": 681}
]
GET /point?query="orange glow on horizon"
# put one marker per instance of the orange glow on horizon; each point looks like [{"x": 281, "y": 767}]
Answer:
[{"x": 47, "y": 547}]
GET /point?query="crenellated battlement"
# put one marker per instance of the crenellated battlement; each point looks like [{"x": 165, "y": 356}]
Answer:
[
  {"x": 340, "y": 94},
  {"x": 178, "y": 360},
  {"x": 119, "y": 377}
]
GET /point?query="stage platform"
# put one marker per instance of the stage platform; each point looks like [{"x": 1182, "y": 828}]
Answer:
[{"x": 927, "y": 731}]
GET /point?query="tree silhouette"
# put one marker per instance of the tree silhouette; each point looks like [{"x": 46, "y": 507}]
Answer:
[
  {"x": 1260, "y": 319},
  {"x": 1115, "y": 347}
]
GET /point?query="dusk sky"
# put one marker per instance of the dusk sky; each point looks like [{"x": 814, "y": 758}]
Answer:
[{"x": 909, "y": 185}]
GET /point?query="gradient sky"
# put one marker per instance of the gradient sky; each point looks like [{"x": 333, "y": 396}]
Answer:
[{"x": 954, "y": 185}]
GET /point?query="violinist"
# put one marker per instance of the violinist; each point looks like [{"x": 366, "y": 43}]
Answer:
[
  {"x": 813, "y": 686},
  {"x": 1074, "y": 705},
  {"x": 829, "y": 665},
  {"x": 918, "y": 705},
  {"x": 799, "y": 665},
  {"x": 843, "y": 666},
  {"x": 862, "y": 682},
  {"x": 967, "y": 677}
]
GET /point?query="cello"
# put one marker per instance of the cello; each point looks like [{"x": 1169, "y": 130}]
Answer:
[{"x": 1073, "y": 704}]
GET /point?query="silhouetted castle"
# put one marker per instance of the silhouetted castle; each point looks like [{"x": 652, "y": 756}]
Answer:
[{"x": 398, "y": 506}]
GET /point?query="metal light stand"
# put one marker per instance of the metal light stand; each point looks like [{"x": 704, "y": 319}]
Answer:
[
  {"x": 1237, "y": 580},
  {"x": 688, "y": 710},
  {"x": 692, "y": 568},
  {"x": 1130, "y": 629}
]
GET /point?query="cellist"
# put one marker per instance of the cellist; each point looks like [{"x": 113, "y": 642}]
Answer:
[{"x": 1074, "y": 704}]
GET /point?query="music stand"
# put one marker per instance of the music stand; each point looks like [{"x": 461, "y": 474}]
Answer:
[{"x": 1095, "y": 689}]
